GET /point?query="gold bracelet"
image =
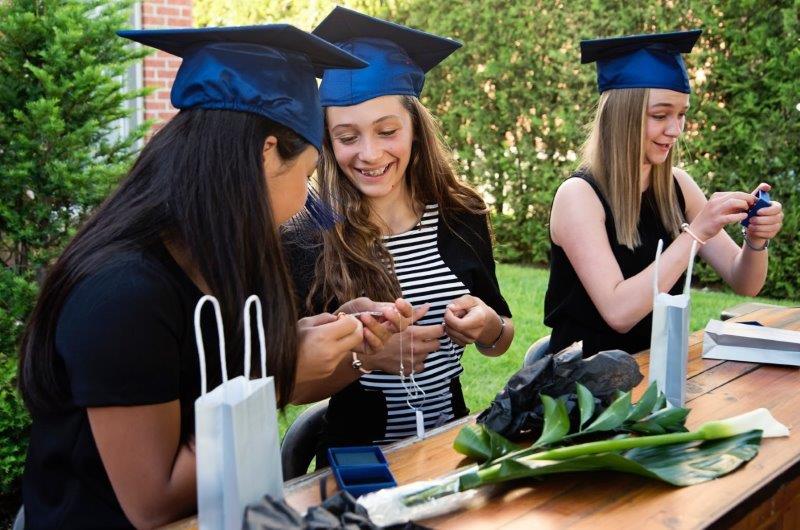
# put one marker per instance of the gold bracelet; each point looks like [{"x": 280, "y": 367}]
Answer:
[{"x": 685, "y": 228}]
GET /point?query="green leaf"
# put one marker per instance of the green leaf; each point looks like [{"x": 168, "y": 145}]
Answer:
[
  {"x": 556, "y": 421},
  {"x": 661, "y": 402},
  {"x": 682, "y": 464},
  {"x": 613, "y": 416},
  {"x": 482, "y": 444},
  {"x": 473, "y": 441},
  {"x": 646, "y": 403},
  {"x": 670, "y": 419},
  {"x": 585, "y": 403}
]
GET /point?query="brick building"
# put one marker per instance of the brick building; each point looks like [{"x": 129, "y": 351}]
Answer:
[{"x": 158, "y": 69}]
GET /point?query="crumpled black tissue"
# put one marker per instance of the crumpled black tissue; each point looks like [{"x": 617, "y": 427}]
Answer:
[
  {"x": 517, "y": 411},
  {"x": 338, "y": 512}
]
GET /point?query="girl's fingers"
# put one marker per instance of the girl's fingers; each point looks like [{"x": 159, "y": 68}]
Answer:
[
  {"x": 405, "y": 308},
  {"x": 459, "y": 338},
  {"x": 373, "y": 342},
  {"x": 733, "y": 218},
  {"x": 738, "y": 195},
  {"x": 766, "y": 223},
  {"x": 375, "y": 327},
  {"x": 316, "y": 320},
  {"x": 773, "y": 209},
  {"x": 763, "y": 186},
  {"x": 736, "y": 205}
]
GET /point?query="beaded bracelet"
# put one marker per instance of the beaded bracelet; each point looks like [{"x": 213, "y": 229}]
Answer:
[{"x": 685, "y": 228}]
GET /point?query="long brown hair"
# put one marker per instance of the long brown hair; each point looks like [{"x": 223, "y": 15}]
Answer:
[
  {"x": 198, "y": 182},
  {"x": 614, "y": 153},
  {"x": 354, "y": 262}
]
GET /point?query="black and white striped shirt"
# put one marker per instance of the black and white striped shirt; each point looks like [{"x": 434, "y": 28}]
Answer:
[{"x": 424, "y": 278}]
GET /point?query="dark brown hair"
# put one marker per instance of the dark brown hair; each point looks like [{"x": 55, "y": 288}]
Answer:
[
  {"x": 354, "y": 262},
  {"x": 199, "y": 182}
]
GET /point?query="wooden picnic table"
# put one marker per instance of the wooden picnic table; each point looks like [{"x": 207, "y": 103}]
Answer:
[{"x": 765, "y": 493}]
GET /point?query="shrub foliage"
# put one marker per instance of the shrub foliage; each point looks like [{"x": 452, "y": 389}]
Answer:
[
  {"x": 62, "y": 96},
  {"x": 514, "y": 102}
]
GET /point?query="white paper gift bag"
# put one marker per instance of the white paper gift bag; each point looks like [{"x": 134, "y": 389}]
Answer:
[
  {"x": 669, "y": 341},
  {"x": 236, "y": 429},
  {"x": 734, "y": 341}
]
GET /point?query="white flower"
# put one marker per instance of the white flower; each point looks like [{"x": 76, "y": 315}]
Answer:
[
  {"x": 571, "y": 156},
  {"x": 541, "y": 155},
  {"x": 30, "y": 194},
  {"x": 760, "y": 419}
]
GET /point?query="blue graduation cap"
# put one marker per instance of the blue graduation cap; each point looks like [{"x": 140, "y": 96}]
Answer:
[
  {"x": 268, "y": 70},
  {"x": 398, "y": 57},
  {"x": 641, "y": 61}
]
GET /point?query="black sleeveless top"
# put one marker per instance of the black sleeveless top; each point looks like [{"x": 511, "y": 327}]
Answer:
[{"x": 567, "y": 306}]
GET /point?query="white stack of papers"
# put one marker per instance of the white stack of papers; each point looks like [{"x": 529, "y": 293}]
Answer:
[{"x": 732, "y": 341}]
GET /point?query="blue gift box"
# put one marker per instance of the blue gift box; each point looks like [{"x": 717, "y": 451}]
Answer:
[
  {"x": 360, "y": 470},
  {"x": 762, "y": 201}
]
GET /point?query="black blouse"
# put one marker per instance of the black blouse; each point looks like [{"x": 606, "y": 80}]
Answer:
[
  {"x": 569, "y": 309},
  {"x": 125, "y": 336},
  {"x": 356, "y": 415}
]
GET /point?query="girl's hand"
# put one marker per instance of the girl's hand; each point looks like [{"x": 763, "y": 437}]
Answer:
[
  {"x": 323, "y": 340},
  {"x": 767, "y": 222},
  {"x": 381, "y": 320},
  {"x": 414, "y": 341},
  {"x": 468, "y": 319},
  {"x": 722, "y": 208}
]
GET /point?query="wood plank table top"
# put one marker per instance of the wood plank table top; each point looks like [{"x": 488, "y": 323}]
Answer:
[{"x": 715, "y": 390}]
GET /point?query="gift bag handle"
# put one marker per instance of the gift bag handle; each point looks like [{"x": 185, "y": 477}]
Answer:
[
  {"x": 198, "y": 335},
  {"x": 655, "y": 272},
  {"x": 261, "y": 336},
  {"x": 689, "y": 267},
  {"x": 692, "y": 254}
]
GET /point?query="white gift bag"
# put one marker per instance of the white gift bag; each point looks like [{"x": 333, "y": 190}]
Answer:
[
  {"x": 669, "y": 340},
  {"x": 734, "y": 341},
  {"x": 236, "y": 429}
]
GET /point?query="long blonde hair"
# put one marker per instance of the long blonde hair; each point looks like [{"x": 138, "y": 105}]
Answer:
[
  {"x": 614, "y": 153},
  {"x": 354, "y": 262}
]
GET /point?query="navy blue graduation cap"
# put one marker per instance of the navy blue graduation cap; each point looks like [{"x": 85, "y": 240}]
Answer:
[
  {"x": 641, "y": 61},
  {"x": 398, "y": 57},
  {"x": 268, "y": 70}
]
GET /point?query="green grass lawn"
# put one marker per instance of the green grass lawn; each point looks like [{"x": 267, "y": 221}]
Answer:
[{"x": 524, "y": 288}]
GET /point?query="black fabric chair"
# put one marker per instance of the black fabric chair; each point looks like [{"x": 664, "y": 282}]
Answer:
[
  {"x": 300, "y": 441},
  {"x": 537, "y": 350}
]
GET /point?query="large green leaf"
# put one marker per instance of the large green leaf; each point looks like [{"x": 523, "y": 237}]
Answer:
[
  {"x": 613, "y": 416},
  {"x": 646, "y": 403},
  {"x": 683, "y": 464},
  {"x": 556, "y": 421},
  {"x": 482, "y": 444}
]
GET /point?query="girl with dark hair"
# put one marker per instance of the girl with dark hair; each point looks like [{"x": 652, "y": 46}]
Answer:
[
  {"x": 407, "y": 227},
  {"x": 607, "y": 219},
  {"x": 109, "y": 366}
]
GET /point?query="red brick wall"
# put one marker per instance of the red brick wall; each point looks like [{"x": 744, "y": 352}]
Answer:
[{"x": 160, "y": 68}]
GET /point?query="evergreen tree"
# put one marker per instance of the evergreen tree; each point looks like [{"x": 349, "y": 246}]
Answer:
[{"x": 62, "y": 71}]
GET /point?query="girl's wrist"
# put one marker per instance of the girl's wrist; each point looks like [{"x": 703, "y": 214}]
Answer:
[
  {"x": 697, "y": 232},
  {"x": 492, "y": 335}
]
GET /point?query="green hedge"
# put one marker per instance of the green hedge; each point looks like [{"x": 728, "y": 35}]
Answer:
[
  {"x": 515, "y": 100},
  {"x": 61, "y": 67}
]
